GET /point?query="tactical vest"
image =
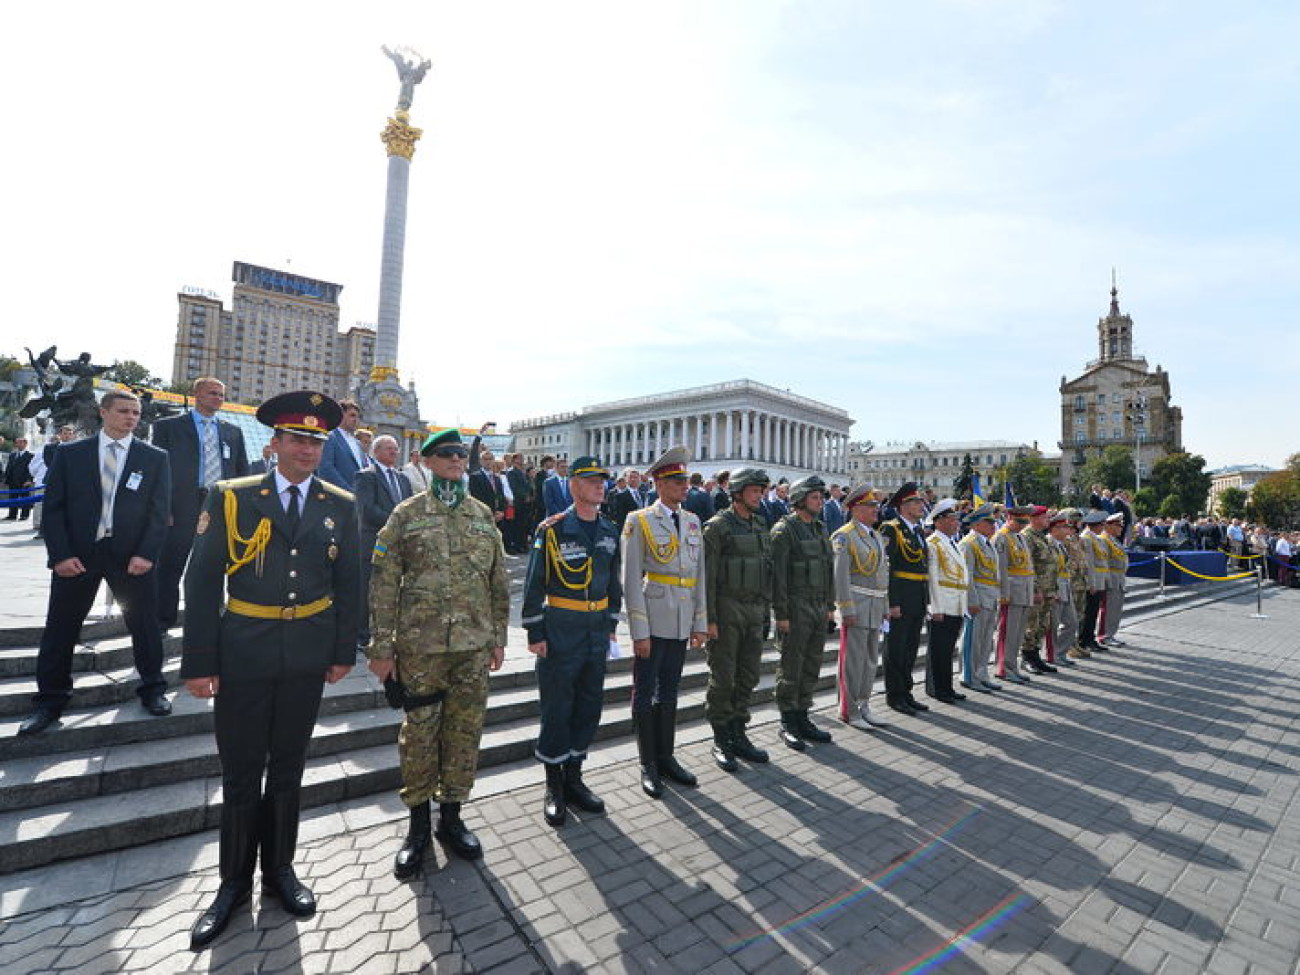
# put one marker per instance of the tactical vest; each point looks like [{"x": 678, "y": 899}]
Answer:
[
  {"x": 810, "y": 560},
  {"x": 746, "y": 570}
]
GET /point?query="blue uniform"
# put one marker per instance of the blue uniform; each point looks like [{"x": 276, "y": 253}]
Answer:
[{"x": 572, "y": 598}]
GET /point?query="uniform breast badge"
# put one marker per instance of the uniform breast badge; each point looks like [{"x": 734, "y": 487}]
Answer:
[
  {"x": 202, "y": 526},
  {"x": 333, "y": 552},
  {"x": 328, "y": 523}
]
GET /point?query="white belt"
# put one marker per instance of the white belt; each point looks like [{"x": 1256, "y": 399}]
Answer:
[{"x": 864, "y": 591}]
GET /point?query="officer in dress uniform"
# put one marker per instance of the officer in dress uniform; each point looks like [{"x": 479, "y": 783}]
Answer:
[
  {"x": 1079, "y": 578},
  {"x": 663, "y": 588},
  {"x": 1097, "y": 556},
  {"x": 272, "y": 599},
  {"x": 1112, "y": 607},
  {"x": 908, "y": 580},
  {"x": 947, "y": 582},
  {"x": 862, "y": 597},
  {"x": 1016, "y": 572},
  {"x": 981, "y": 599},
  {"x": 1039, "y": 622},
  {"x": 738, "y": 598},
  {"x": 803, "y": 599},
  {"x": 572, "y": 598},
  {"x": 1064, "y": 624},
  {"x": 439, "y": 605}
]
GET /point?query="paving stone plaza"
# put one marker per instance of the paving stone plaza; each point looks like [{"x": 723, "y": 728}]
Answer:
[{"x": 1137, "y": 814}]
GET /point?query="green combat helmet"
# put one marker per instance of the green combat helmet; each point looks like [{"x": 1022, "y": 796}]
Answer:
[
  {"x": 802, "y": 488},
  {"x": 746, "y": 477}
]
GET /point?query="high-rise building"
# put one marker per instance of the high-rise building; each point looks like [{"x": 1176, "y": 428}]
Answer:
[
  {"x": 1117, "y": 400},
  {"x": 280, "y": 333}
]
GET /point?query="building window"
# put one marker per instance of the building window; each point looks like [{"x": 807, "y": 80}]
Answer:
[
  {"x": 1080, "y": 421},
  {"x": 1081, "y": 437},
  {"x": 1101, "y": 398}
]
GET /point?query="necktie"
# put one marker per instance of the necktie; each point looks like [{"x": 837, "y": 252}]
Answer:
[
  {"x": 393, "y": 487},
  {"x": 107, "y": 486},
  {"x": 677, "y": 523},
  {"x": 294, "y": 513},
  {"x": 211, "y": 454}
]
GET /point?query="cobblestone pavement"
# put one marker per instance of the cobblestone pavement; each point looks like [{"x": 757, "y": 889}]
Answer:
[{"x": 1134, "y": 815}]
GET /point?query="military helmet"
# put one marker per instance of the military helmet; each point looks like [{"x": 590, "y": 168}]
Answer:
[
  {"x": 802, "y": 488},
  {"x": 747, "y": 477}
]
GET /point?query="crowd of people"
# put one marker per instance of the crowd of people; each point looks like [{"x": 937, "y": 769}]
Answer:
[{"x": 326, "y": 548}]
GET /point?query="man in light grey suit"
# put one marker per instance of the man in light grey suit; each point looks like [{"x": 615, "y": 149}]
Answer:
[{"x": 378, "y": 489}]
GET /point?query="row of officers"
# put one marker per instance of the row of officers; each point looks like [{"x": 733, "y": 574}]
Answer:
[{"x": 274, "y": 595}]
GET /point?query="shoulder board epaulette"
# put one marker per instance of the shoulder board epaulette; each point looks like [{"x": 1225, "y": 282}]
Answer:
[
  {"x": 844, "y": 529},
  {"x": 335, "y": 490},
  {"x": 235, "y": 483}
]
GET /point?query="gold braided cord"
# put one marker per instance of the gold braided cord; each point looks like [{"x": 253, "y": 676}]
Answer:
[
  {"x": 254, "y": 545},
  {"x": 1061, "y": 569},
  {"x": 561, "y": 567},
  {"x": 911, "y": 551},
  {"x": 1017, "y": 553},
  {"x": 987, "y": 563},
  {"x": 873, "y": 558},
  {"x": 663, "y": 554},
  {"x": 946, "y": 568}
]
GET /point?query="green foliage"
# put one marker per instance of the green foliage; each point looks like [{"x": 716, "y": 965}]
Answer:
[
  {"x": 1183, "y": 478},
  {"x": 131, "y": 373},
  {"x": 1146, "y": 503},
  {"x": 1032, "y": 480},
  {"x": 1114, "y": 469},
  {"x": 1275, "y": 499},
  {"x": 1170, "y": 507},
  {"x": 961, "y": 485},
  {"x": 1232, "y": 503}
]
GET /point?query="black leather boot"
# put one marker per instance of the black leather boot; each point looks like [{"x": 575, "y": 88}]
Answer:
[
  {"x": 238, "y": 856},
  {"x": 722, "y": 751},
  {"x": 554, "y": 809},
  {"x": 453, "y": 832},
  {"x": 791, "y": 731},
  {"x": 418, "y": 836},
  {"x": 648, "y": 750},
  {"x": 743, "y": 747},
  {"x": 576, "y": 791},
  {"x": 810, "y": 732},
  {"x": 666, "y": 735},
  {"x": 279, "y": 840}
]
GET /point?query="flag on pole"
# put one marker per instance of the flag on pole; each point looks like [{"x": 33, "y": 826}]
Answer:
[
  {"x": 1010, "y": 499},
  {"x": 976, "y": 494}
]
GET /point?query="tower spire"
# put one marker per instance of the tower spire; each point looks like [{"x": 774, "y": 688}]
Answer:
[{"x": 1114, "y": 295}]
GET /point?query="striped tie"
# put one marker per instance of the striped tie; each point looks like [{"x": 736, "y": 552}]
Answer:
[
  {"x": 107, "y": 485},
  {"x": 211, "y": 454}
]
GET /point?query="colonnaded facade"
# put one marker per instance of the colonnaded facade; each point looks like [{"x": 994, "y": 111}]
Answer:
[{"x": 724, "y": 426}]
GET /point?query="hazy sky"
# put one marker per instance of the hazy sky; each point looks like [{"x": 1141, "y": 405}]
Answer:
[{"x": 910, "y": 210}]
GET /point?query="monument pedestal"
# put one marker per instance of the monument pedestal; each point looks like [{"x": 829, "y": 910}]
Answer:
[{"x": 391, "y": 408}]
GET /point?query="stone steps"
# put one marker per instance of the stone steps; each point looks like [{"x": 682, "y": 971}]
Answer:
[{"x": 113, "y": 776}]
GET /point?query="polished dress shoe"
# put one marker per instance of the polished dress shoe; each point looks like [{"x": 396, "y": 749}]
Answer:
[
  {"x": 978, "y": 688},
  {"x": 294, "y": 896},
  {"x": 157, "y": 705},
  {"x": 38, "y": 721},
  {"x": 214, "y": 920},
  {"x": 872, "y": 718},
  {"x": 902, "y": 707},
  {"x": 948, "y": 698},
  {"x": 453, "y": 832},
  {"x": 917, "y": 705}
]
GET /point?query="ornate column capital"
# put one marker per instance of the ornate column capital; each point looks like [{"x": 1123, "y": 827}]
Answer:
[{"x": 400, "y": 136}]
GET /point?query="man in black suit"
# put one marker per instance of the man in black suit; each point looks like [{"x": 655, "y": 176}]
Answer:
[
  {"x": 623, "y": 503},
  {"x": 484, "y": 486},
  {"x": 521, "y": 490},
  {"x": 105, "y": 521},
  {"x": 272, "y": 597},
  {"x": 64, "y": 435},
  {"x": 378, "y": 490},
  {"x": 18, "y": 478},
  {"x": 266, "y": 464},
  {"x": 722, "y": 493},
  {"x": 201, "y": 450},
  {"x": 698, "y": 500}
]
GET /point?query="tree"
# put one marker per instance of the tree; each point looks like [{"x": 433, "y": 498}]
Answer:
[
  {"x": 1275, "y": 499},
  {"x": 1032, "y": 480},
  {"x": 1181, "y": 476},
  {"x": 1114, "y": 469},
  {"x": 1232, "y": 503},
  {"x": 961, "y": 485},
  {"x": 128, "y": 372},
  {"x": 1146, "y": 503}
]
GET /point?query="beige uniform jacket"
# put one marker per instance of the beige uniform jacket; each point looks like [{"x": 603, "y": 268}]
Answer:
[{"x": 663, "y": 574}]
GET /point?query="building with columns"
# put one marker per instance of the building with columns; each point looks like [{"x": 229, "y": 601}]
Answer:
[
  {"x": 933, "y": 464},
  {"x": 724, "y": 426},
  {"x": 1117, "y": 401}
]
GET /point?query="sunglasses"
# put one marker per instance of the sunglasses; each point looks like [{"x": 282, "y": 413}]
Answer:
[{"x": 445, "y": 452}]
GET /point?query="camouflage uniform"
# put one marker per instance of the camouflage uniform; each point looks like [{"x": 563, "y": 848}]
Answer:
[
  {"x": 1040, "y": 614},
  {"x": 1064, "y": 623},
  {"x": 439, "y": 603},
  {"x": 803, "y": 593}
]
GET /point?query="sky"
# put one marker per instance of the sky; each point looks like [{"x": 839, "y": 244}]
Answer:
[{"x": 911, "y": 211}]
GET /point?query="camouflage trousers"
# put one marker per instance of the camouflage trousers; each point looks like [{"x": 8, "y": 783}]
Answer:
[
  {"x": 734, "y": 660},
  {"x": 438, "y": 745},
  {"x": 1036, "y": 629}
]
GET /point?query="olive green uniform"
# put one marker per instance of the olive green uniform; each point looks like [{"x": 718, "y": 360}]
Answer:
[
  {"x": 439, "y": 603},
  {"x": 1040, "y": 614},
  {"x": 738, "y": 587},
  {"x": 803, "y": 593}
]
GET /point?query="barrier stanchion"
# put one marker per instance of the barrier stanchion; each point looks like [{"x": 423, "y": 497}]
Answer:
[
  {"x": 1162, "y": 576},
  {"x": 1259, "y": 594}
]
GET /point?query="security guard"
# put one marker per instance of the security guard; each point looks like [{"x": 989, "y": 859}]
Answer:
[
  {"x": 908, "y": 592},
  {"x": 439, "y": 604},
  {"x": 663, "y": 587},
  {"x": 1043, "y": 558},
  {"x": 572, "y": 598},
  {"x": 738, "y": 574},
  {"x": 1016, "y": 575},
  {"x": 981, "y": 599},
  {"x": 862, "y": 597},
  {"x": 272, "y": 600},
  {"x": 803, "y": 599}
]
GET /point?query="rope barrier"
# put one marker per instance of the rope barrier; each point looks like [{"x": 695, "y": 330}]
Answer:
[
  {"x": 1197, "y": 575},
  {"x": 1154, "y": 558},
  {"x": 1243, "y": 556}
]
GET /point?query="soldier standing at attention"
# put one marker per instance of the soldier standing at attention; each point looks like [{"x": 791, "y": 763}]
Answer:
[
  {"x": 1064, "y": 624},
  {"x": 572, "y": 598},
  {"x": 908, "y": 578},
  {"x": 663, "y": 587},
  {"x": 1016, "y": 572},
  {"x": 282, "y": 548},
  {"x": 862, "y": 595},
  {"x": 802, "y": 601},
  {"x": 1113, "y": 605},
  {"x": 1043, "y": 558},
  {"x": 1097, "y": 559},
  {"x": 981, "y": 599},
  {"x": 948, "y": 583},
  {"x": 439, "y": 604},
  {"x": 738, "y": 571},
  {"x": 1079, "y": 578}
]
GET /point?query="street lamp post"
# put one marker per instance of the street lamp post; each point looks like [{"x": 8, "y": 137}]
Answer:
[{"x": 1137, "y": 412}]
